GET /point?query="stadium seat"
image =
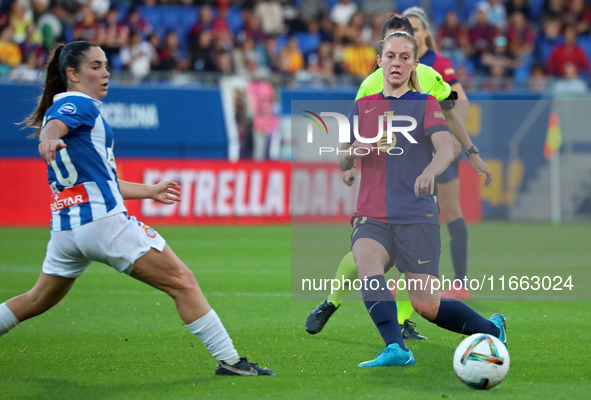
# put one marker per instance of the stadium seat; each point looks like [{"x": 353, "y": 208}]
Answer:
[
  {"x": 281, "y": 41},
  {"x": 585, "y": 42},
  {"x": 469, "y": 8},
  {"x": 153, "y": 15},
  {"x": 440, "y": 7},
  {"x": 189, "y": 16},
  {"x": 402, "y": 5},
  {"x": 308, "y": 42},
  {"x": 234, "y": 19},
  {"x": 536, "y": 7}
]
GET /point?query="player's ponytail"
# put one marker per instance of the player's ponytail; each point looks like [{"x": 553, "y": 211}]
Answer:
[{"x": 54, "y": 84}]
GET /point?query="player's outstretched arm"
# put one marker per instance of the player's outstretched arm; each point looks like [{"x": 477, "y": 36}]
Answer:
[
  {"x": 166, "y": 192},
  {"x": 425, "y": 183},
  {"x": 50, "y": 139}
]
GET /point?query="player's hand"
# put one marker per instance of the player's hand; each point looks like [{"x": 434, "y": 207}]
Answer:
[
  {"x": 425, "y": 184},
  {"x": 360, "y": 153},
  {"x": 480, "y": 167},
  {"x": 167, "y": 192},
  {"x": 349, "y": 177},
  {"x": 49, "y": 148}
]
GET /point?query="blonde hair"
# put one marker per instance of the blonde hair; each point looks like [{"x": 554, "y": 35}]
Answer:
[
  {"x": 422, "y": 15},
  {"x": 413, "y": 81}
]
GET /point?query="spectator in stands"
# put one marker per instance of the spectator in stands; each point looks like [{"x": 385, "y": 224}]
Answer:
[
  {"x": 172, "y": 56},
  {"x": 321, "y": 63},
  {"x": 10, "y": 53},
  {"x": 465, "y": 77},
  {"x": 520, "y": 35},
  {"x": 497, "y": 80},
  {"x": 570, "y": 82},
  {"x": 138, "y": 56},
  {"x": 270, "y": 54},
  {"x": 220, "y": 22},
  {"x": 358, "y": 57},
  {"x": 569, "y": 52},
  {"x": 86, "y": 27},
  {"x": 28, "y": 71},
  {"x": 223, "y": 62},
  {"x": 500, "y": 62},
  {"x": 113, "y": 35},
  {"x": 519, "y": 5},
  {"x": 261, "y": 98},
  {"x": 291, "y": 59},
  {"x": 33, "y": 44},
  {"x": 537, "y": 78},
  {"x": 20, "y": 17},
  {"x": 549, "y": 37},
  {"x": 137, "y": 22},
  {"x": 578, "y": 14},
  {"x": 356, "y": 27},
  {"x": 495, "y": 13},
  {"x": 481, "y": 37},
  {"x": 377, "y": 7},
  {"x": 340, "y": 14},
  {"x": 252, "y": 26},
  {"x": 204, "y": 22},
  {"x": 452, "y": 38},
  {"x": 312, "y": 11},
  {"x": 201, "y": 53},
  {"x": 51, "y": 27},
  {"x": 271, "y": 15},
  {"x": 553, "y": 8}
]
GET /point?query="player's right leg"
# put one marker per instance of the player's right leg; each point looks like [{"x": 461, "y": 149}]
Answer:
[
  {"x": 163, "y": 270},
  {"x": 47, "y": 292},
  {"x": 371, "y": 257},
  {"x": 320, "y": 315}
]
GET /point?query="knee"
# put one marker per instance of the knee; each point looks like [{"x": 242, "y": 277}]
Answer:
[{"x": 426, "y": 309}]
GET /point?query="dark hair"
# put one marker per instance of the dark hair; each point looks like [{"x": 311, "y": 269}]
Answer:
[
  {"x": 396, "y": 22},
  {"x": 64, "y": 56}
]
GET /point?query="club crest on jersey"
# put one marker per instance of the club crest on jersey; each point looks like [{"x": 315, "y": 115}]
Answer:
[{"x": 67, "y": 109}]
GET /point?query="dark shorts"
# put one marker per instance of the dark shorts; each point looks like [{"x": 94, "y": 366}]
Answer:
[
  {"x": 450, "y": 173},
  {"x": 412, "y": 248}
]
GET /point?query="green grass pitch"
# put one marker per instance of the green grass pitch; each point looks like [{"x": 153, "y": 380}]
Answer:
[{"x": 115, "y": 338}]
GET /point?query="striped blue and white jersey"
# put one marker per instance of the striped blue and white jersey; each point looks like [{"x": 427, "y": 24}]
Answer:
[{"x": 83, "y": 177}]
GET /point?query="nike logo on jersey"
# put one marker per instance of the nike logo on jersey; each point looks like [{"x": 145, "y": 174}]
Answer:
[{"x": 370, "y": 110}]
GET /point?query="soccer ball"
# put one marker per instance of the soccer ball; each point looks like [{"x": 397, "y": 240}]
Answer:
[{"x": 481, "y": 361}]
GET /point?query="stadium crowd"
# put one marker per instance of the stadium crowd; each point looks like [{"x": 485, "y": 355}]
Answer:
[{"x": 494, "y": 45}]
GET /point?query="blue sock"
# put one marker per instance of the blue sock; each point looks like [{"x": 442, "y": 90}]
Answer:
[
  {"x": 456, "y": 316},
  {"x": 458, "y": 244},
  {"x": 381, "y": 306}
]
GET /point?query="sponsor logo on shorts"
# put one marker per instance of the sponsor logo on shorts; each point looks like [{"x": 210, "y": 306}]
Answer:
[
  {"x": 423, "y": 262},
  {"x": 69, "y": 197},
  {"x": 67, "y": 109}
]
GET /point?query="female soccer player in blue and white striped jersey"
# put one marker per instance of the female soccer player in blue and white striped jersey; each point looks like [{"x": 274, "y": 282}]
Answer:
[{"x": 89, "y": 220}]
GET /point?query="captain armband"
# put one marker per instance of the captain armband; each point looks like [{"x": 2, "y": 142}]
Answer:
[{"x": 450, "y": 102}]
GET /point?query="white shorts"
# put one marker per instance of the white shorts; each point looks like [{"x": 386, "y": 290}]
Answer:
[{"x": 117, "y": 241}]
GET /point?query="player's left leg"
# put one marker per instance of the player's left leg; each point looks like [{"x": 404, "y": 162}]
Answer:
[
  {"x": 448, "y": 199},
  {"x": 163, "y": 270},
  {"x": 47, "y": 292},
  {"x": 450, "y": 314}
]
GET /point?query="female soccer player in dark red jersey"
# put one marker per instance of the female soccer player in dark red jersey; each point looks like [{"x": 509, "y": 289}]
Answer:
[{"x": 396, "y": 219}]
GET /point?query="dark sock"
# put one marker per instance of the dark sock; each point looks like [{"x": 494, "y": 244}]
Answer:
[
  {"x": 458, "y": 244},
  {"x": 457, "y": 317},
  {"x": 381, "y": 306}
]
